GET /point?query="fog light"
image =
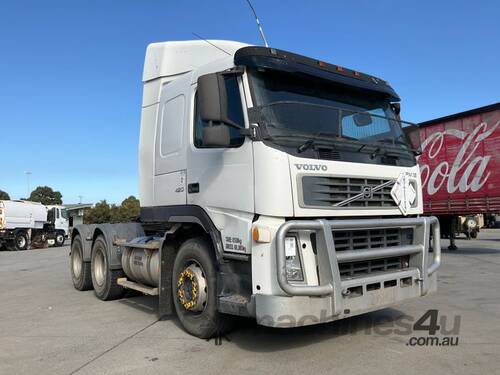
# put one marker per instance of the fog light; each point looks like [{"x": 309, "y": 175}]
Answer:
[{"x": 293, "y": 262}]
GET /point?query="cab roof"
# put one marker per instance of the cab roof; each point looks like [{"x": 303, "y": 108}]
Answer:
[{"x": 173, "y": 58}]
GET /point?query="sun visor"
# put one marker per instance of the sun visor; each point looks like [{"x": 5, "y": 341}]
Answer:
[{"x": 270, "y": 58}]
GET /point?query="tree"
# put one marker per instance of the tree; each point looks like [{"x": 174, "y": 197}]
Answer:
[
  {"x": 4, "y": 196},
  {"x": 100, "y": 213},
  {"x": 130, "y": 209},
  {"x": 46, "y": 195}
]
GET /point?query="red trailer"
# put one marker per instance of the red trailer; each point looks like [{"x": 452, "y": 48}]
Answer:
[{"x": 460, "y": 165}]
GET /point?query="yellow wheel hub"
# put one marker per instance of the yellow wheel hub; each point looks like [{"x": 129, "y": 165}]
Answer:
[{"x": 191, "y": 288}]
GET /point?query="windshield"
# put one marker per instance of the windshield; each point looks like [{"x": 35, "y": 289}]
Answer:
[
  {"x": 293, "y": 103},
  {"x": 64, "y": 213}
]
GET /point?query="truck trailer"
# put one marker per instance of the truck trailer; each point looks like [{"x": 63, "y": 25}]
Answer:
[
  {"x": 459, "y": 167},
  {"x": 24, "y": 224},
  {"x": 272, "y": 186}
]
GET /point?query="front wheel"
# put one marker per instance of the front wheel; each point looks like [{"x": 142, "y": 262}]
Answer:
[{"x": 194, "y": 289}]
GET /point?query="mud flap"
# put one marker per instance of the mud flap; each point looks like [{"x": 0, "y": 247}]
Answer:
[{"x": 166, "y": 302}]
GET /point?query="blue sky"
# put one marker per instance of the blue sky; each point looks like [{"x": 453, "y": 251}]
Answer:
[{"x": 70, "y": 71}]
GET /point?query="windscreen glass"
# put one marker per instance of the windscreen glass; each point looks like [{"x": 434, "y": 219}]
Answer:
[{"x": 291, "y": 103}]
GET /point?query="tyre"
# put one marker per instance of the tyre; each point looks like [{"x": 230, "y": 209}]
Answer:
[
  {"x": 103, "y": 278},
  {"x": 80, "y": 270},
  {"x": 194, "y": 290},
  {"x": 21, "y": 241},
  {"x": 59, "y": 240},
  {"x": 473, "y": 234}
]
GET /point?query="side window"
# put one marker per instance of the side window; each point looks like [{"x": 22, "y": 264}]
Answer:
[
  {"x": 57, "y": 213},
  {"x": 235, "y": 110},
  {"x": 171, "y": 126}
]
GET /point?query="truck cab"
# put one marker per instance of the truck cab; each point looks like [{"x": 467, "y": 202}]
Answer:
[
  {"x": 59, "y": 217},
  {"x": 297, "y": 175}
]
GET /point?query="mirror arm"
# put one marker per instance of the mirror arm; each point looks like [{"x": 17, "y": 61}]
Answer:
[{"x": 250, "y": 132}]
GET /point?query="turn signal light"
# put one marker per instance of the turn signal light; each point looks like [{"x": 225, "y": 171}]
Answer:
[{"x": 261, "y": 234}]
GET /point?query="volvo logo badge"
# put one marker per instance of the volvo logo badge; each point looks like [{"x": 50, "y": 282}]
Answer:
[
  {"x": 311, "y": 167},
  {"x": 367, "y": 192}
]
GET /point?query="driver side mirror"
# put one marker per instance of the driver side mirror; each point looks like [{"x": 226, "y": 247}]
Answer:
[
  {"x": 212, "y": 98},
  {"x": 213, "y": 103},
  {"x": 216, "y": 136}
]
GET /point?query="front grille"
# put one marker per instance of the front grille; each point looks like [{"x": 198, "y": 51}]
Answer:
[
  {"x": 368, "y": 239},
  {"x": 354, "y": 269},
  {"x": 332, "y": 191}
]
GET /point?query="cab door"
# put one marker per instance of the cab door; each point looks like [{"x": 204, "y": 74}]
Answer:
[{"x": 221, "y": 178}]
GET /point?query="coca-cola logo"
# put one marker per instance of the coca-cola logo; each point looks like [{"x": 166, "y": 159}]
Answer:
[{"x": 467, "y": 172}]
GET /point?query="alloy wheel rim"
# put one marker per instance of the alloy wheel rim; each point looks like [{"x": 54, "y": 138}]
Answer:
[
  {"x": 99, "y": 268},
  {"x": 76, "y": 263}
]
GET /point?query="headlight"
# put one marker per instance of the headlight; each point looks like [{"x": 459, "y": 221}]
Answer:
[{"x": 293, "y": 262}]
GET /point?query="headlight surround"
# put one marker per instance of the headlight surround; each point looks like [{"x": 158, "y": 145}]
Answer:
[{"x": 293, "y": 262}]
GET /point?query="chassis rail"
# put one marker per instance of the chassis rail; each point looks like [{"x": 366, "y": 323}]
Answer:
[{"x": 329, "y": 259}]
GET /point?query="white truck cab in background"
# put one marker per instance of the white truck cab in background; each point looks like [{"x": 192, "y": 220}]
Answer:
[
  {"x": 25, "y": 223},
  {"x": 272, "y": 185},
  {"x": 59, "y": 216}
]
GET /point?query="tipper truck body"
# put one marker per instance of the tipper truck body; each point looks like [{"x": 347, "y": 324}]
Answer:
[{"x": 272, "y": 186}]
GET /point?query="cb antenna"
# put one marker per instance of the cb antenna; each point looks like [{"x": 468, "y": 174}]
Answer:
[
  {"x": 258, "y": 23},
  {"x": 209, "y": 42}
]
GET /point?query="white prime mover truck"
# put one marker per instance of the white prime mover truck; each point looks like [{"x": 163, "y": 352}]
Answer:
[
  {"x": 25, "y": 223},
  {"x": 272, "y": 186}
]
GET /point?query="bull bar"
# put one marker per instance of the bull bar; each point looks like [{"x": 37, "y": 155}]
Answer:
[{"x": 328, "y": 258}]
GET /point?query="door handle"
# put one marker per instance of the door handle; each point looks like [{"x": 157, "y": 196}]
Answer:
[{"x": 193, "y": 188}]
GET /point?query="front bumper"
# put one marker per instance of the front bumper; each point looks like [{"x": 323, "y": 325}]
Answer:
[{"x": 335, "y": 298}]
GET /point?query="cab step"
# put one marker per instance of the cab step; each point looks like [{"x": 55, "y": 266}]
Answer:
[
  {"x": 136, "y": 286},
  {"x": 235, "y": 304}
]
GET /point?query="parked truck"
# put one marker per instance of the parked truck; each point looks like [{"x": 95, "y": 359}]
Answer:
[
  {"x": 459, "y": 165},
  {"x": 272, "y": 186},
  {"x": 24, "y": 224}
]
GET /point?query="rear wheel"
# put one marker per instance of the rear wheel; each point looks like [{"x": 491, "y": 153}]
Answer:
[
  {"x": 194, "y": 289},
  {"x": 21, "y": 241},
  {"x": 80, "y": 270},
  {"x": 104, "y": 280}
]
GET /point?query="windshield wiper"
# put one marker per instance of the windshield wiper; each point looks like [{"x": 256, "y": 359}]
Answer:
[{"x": 313, "y": 141}]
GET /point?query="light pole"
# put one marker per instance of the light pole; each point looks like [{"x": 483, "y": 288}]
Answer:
[{"x": 28, "y": 174}]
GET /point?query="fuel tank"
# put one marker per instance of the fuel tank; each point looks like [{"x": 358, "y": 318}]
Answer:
[{"x": 142, "y": 265}]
